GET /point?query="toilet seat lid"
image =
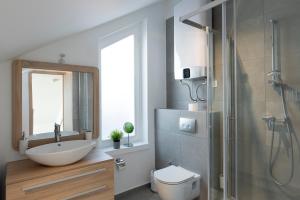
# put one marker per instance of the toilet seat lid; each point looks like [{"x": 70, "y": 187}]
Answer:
[{"x": 173, "y": 175}]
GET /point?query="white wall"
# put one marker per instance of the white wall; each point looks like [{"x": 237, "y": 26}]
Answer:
[
  {"x": 6, "y": 151},
  {"x": 82, "y": 49}
]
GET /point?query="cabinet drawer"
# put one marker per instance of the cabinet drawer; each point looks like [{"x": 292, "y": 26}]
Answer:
[{"x": 83, "y": 183}]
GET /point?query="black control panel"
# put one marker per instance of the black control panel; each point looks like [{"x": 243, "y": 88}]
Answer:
[{"x": 186, "y": 73}]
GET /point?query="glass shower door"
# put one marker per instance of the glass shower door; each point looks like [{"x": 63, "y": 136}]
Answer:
[
  {"x": 221, "y": 104},
  {"x": 268, "y": 99}
]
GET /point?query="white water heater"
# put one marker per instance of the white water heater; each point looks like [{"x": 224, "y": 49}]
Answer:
[{"x": 190, "y": 43}]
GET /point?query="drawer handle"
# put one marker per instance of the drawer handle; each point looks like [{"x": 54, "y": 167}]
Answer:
[
  {"x": 47, "y": 184},
  {"x": 81, "y": 194}
]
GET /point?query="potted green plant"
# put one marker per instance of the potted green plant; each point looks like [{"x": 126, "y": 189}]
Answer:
[
  {"x": 128, "y": 128},
  {"x": 116, "y": 135}
]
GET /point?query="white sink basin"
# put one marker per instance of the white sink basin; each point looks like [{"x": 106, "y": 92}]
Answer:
[{"x": 60, "y": 153}]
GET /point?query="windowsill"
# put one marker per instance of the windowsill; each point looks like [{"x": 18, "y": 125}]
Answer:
[{"x": 138, "y": 146}]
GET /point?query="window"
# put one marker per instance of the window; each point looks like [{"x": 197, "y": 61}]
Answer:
[{"x": 120, "y": 82}]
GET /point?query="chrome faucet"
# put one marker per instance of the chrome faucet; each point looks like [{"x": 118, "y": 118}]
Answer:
[{"x": 57, "y": 134}]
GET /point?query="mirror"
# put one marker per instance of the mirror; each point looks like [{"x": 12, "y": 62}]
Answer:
[
  {"x": 52, "y": 94},
  {"x": 50, "y": 97}
]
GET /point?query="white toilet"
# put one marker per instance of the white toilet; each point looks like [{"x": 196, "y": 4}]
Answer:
[{"x": 177, "y": 183}]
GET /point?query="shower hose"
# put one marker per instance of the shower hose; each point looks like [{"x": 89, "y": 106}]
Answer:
[{"x": 289, "y": 149}]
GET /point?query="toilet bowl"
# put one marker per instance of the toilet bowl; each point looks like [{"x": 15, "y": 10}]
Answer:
[{"x": 177, "y": 183}]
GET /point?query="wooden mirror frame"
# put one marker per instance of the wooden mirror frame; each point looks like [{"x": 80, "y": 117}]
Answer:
[{"x": 17, "y": 67}]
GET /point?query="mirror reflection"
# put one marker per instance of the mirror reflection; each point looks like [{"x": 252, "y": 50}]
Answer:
[{"x": 56, "y": 97}]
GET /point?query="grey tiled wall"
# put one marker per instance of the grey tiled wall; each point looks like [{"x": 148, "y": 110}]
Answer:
[{"x": 189, "y": 150}]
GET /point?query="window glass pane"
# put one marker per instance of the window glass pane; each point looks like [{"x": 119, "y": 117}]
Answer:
[
  {"x": 117, "y": 85},
  {"x": 47, "y": 104}
]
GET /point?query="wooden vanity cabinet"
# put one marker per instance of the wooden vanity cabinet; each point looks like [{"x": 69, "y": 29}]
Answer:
[{"x": 89, "y": 179}]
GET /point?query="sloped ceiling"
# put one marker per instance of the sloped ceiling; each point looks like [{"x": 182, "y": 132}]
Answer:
[{"x": 29, "y": 24}]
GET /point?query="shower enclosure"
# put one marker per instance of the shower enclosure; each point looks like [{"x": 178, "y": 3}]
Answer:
[
  {"x": 268, "y": 99},
  {"x": 254, "y": 83}
]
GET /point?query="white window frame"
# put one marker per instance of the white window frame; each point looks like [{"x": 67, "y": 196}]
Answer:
[{"x": 137, "y": 30}]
